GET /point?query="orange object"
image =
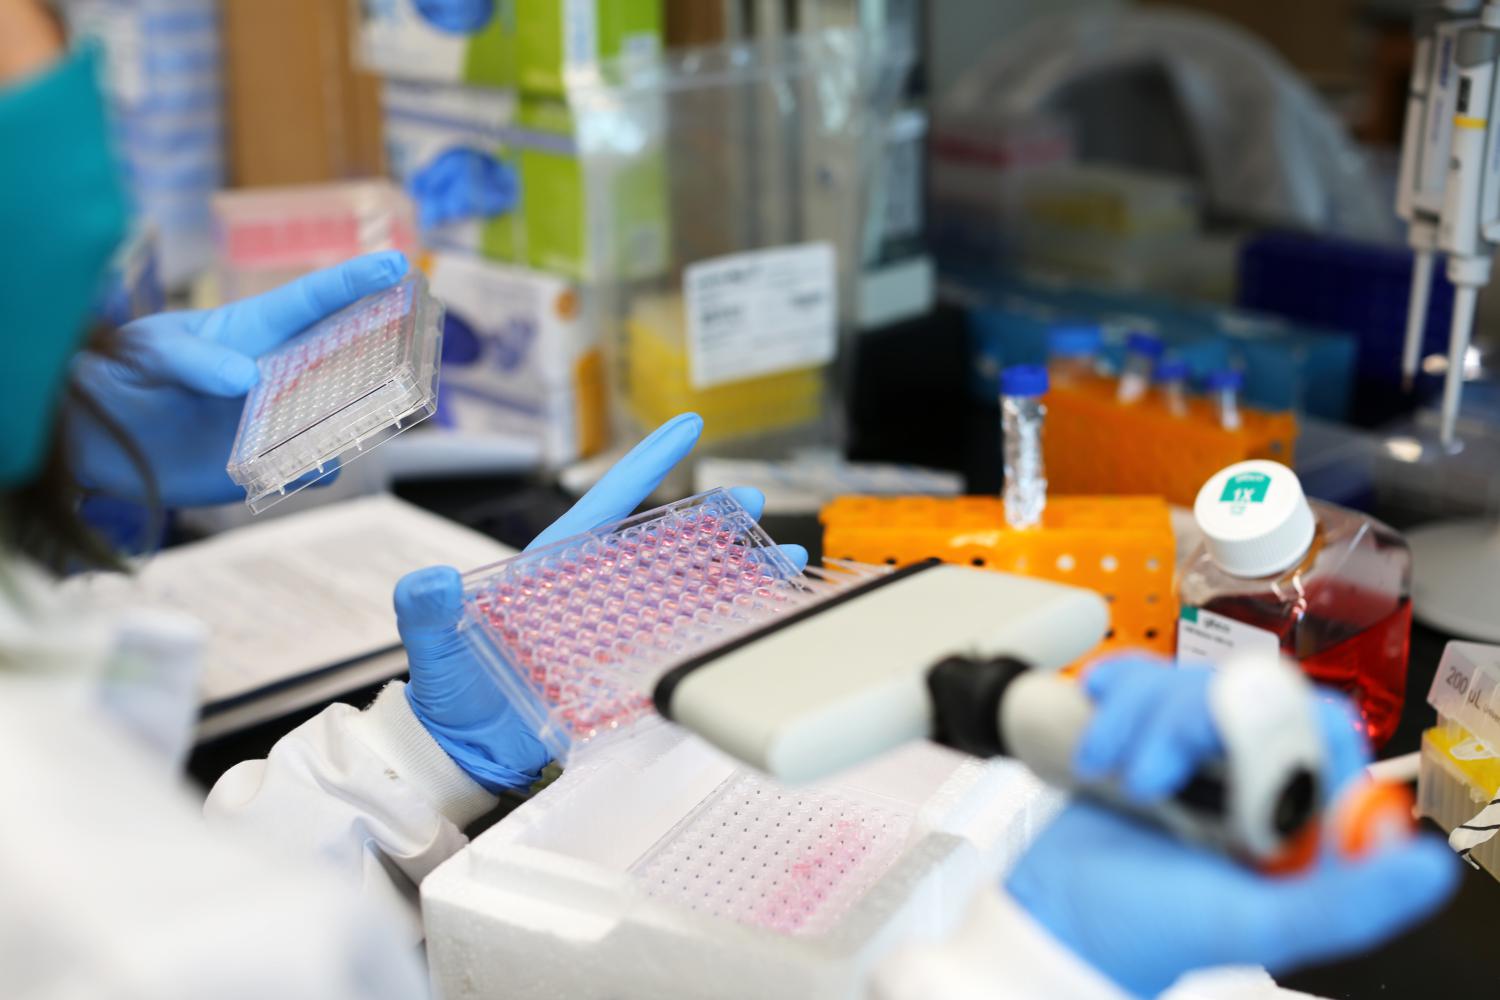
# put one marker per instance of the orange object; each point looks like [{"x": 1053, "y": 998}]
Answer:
[
  {"x": 1122, "y": 547},
  {"x": 1095, "y": 444},
  {"x": 1366, "y": 817},
  {"x": 1298, "y": 853},
  {"x": 1371, "y": 815}
]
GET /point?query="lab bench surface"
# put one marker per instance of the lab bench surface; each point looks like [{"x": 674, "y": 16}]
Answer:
[
  {"x": 910, "y": 404},
  {"x": 1446, "y": 954}
]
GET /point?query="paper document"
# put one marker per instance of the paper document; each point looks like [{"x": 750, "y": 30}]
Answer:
[{"x": 296, "y": 595}]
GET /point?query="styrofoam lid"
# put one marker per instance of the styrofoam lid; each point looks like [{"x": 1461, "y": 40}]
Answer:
[{"x": 1255, "y": 518}]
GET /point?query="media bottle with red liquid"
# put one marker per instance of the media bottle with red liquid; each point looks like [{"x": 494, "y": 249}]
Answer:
[{"x": 1328, "y": 587}]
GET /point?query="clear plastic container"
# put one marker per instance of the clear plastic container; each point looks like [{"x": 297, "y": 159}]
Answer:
[
  {"x": 1223, "y": 388},
  {"x": 1143, "y": 351},
  {"x": 1329, "y": 587},
  {"x": 1073, "y": 352},
  {"x": 764, "y": 157},
  {"x": 579, "y": 631},
  {"x": 1022, "y": 414},
  {"x": 1171, "y": 378},
  {"x": 353, "y": 381}
]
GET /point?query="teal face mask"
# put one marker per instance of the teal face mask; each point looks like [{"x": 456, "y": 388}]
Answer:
[{"x": 62, "y": 214}]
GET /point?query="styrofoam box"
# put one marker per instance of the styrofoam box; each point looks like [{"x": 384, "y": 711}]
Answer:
[{"x": 592, "y": 888}]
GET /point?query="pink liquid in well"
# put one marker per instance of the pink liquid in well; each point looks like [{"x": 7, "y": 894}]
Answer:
[
  {"x": 791, "y": 862},
  {"x": 588, "y": 627}
]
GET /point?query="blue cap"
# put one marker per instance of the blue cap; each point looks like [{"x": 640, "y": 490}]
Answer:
[
  {"x": 1148, "y": 344},
  {"x": 1023, "y": 380},
  {"x": 1224, "y": 378},
  {"x": 1171, "y": 370},
  {"x": 1074, "y": 340}
]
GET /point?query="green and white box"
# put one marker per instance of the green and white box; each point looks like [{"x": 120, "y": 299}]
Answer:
[{"x": 525, "y": 44}]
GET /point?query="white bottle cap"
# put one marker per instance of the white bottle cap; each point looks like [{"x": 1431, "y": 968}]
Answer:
[{"x": 1255, "y": 519}]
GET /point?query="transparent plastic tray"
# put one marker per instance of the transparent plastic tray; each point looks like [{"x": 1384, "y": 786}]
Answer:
[
  {"x": 353, "y": 381},
  {"x": 579, "y": 631},
  {"x": 791, "y": 861}
]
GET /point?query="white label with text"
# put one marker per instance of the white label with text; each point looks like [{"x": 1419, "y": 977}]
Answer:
[
  {"x": 1208, "y": 639},
  {"x": 760, "y": 313}
]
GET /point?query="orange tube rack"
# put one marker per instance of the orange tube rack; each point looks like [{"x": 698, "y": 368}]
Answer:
[
  {"x": 1122, "y": 547},
  {"x": 1094, "y": 444}
]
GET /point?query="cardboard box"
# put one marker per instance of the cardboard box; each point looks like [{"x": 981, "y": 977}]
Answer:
[
  {"x": 299, "y": 110},
  {"x": 1316, "y": 37},
  {"x": 699, "y": 22}
]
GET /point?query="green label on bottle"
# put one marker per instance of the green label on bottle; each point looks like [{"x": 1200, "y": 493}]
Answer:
[{"x": 1245, "y": 488}]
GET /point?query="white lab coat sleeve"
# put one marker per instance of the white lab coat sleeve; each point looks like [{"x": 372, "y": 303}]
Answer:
[
  {"x": 371, "y": 792},
  {"x": 998, "y": 953},
  {"x": 112, "y": 886}
]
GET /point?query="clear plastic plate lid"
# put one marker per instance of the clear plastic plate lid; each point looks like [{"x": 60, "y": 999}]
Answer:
[
  {"x": 579, "y": 631},
  {"x": 353, "y": 381}
]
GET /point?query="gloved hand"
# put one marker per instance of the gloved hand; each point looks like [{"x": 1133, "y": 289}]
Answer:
[
  {"x": 450, "y": 691},
  {"x": 179, "y": 386},
  {"x": 461, "y": 17},
  {"x": 1144, "y": 907},
  {"x": 463, "y": 184}
]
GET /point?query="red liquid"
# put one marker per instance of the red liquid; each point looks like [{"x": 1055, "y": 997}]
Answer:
[{"x": 1344, "y": 637}]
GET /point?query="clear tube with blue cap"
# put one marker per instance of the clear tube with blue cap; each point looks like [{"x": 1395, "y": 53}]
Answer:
[
  {"x": 1021, "y": 417},
  {"x": 1171, "y": 381},
  {"x": 1223, "y": 388},
  {"x": 1142, "y": 352},
  {"x": 1073, "y": 351}
]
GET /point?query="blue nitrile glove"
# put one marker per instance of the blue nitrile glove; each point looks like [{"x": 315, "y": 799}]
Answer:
[
  {"x": 461, "y": 17},
  {"x": 450, "y": 691},
  {"x": 460, "y": 184},
  {"x": 180, "y": 384},
  {"x": 1144, "y": 907}
]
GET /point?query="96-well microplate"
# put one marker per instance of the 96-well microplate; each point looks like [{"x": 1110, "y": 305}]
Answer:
[
  {"x": 579, "y": 631},
  {"x": 351, "y": 382},
  {"x": 795, "y": 862}
]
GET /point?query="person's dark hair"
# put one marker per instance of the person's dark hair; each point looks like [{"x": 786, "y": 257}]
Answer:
[{"x": 43, "y": 518}]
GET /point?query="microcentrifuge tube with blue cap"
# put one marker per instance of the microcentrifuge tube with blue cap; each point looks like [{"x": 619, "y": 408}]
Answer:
[
  {"x": 1223, "y": 387},
  {"x": 1171, "y": 379},
  {"x": 1142, "y": 352},
  {"x": 1073, "y": 351},
  {"x": 1021, "y": 414}
]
